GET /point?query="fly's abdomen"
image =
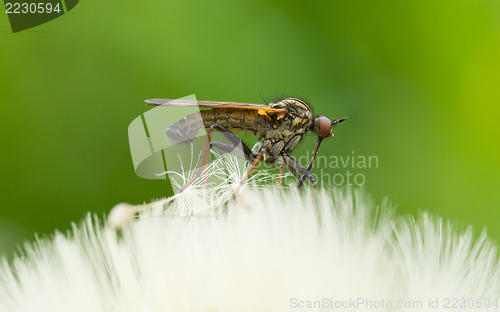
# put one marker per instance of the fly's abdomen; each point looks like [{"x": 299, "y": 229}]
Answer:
[
  {"x": 235, "y": 120},
  {"x": 186, "y": 129}
]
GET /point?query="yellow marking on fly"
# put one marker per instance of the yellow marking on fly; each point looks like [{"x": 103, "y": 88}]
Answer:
[
  {"x": 281, "y": 116},
  {"x": 263, "y": 113}
]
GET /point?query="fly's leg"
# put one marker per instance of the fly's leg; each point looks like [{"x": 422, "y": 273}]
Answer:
[
  {"x": 205, "y": 156},
  {"x": 204, "y": 161},
  {"x": 249, "y": 155},
  {"x": 256, "y": 161},
  {"x": 303, "y": 178},
  {"x": 254, "y": 164},
  {"x": 229, "y": 148},
  {"x": 122, "y": 213},
  {"x": 298, "y": 172},
  {"x": 247, "y": 151},
  {"x": 280, "y": 179},
  {"x": 297, "y": 169},
  {"x": 233, "y": 138}
]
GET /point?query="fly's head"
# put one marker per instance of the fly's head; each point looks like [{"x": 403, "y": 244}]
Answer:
[{"x": 323, "y": 126}]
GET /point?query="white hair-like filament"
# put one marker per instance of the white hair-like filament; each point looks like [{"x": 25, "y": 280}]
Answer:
[{"x": 290, "y": 251}]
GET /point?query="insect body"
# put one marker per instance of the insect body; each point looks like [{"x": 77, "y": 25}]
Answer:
[{"x": 280, "y": 125}]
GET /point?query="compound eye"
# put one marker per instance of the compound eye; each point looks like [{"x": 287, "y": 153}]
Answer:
[{"x": 325, "y": 126}]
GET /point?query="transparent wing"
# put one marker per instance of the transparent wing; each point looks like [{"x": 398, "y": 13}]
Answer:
[
  {"x": 169, "y": 140},
  {"x": 213, "y": 104}
]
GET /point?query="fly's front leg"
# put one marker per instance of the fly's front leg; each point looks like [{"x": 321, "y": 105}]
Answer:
[
  {"x": 297, "y": 169},
  {"x": 303, "y": 179}
]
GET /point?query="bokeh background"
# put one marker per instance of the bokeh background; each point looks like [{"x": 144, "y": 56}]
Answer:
[{"x": 419, "y": 80}]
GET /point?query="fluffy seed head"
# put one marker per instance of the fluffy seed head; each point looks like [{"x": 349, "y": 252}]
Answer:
[{"x": 289, "y": 249}]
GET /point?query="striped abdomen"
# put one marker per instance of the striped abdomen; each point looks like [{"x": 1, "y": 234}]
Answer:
[{"x": 235, "y": 120}]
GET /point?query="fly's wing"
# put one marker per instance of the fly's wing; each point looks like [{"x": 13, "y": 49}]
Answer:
[
  {"x": 260, "y": 108},
  {"x": 169, "y": 140}
]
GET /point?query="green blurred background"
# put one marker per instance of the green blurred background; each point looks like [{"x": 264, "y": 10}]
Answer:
[{"x": 419, "y": 80}]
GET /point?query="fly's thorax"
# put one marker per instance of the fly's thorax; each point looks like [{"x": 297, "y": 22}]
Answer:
[
  {"x": 288, "y": 126},
  {"x": 298, "y": 120},
  {"x": 287, "y": 130},
  {"x": 296, "y": 107},
  {"x": 276, "y": 146}
]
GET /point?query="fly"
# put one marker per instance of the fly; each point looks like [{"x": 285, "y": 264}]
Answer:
[{"x": 279, "y": 125}]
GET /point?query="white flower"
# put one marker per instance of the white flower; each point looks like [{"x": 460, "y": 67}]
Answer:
[{"x": 289, "y": 250}]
